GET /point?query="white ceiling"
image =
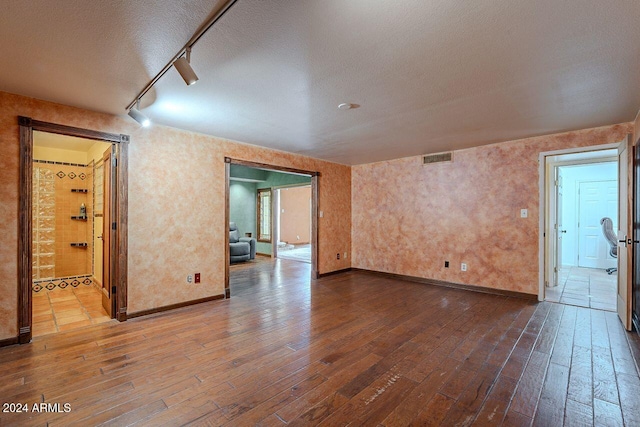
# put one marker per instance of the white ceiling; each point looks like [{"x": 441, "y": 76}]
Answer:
[{"x": 429, "y": 76}]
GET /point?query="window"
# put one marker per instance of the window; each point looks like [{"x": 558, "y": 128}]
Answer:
[{"x": 264, "y": 215}]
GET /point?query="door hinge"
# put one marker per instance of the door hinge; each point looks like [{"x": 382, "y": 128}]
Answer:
[
  {"x": 113, "y": 225},
  {"x": 113, "y": 290},
  {"x": 114, "y": 161}
]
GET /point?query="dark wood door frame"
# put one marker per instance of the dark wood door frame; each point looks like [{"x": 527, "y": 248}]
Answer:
[
  {"x": 119, "y": 244},
  {"x": 314, "y": 211}
]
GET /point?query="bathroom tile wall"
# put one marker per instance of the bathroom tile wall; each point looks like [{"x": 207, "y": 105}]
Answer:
[{"x": 71, "y": 260}]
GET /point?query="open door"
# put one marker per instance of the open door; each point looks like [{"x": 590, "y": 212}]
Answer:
[
  {"x": 108, "y": 300},
  {"x": 559, "y": 232},
  {"x": 635, "y": 305},
  {"x": 624, "y": 246}
]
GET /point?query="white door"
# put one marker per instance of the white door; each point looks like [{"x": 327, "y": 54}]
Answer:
[
  {"x": 624, "y": 251},
  {"x": 558, "y": 229},
  {"x": 596, "y": 200}
]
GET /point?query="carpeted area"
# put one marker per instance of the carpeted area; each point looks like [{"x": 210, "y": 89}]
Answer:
[{"x": 298, "y": 253}]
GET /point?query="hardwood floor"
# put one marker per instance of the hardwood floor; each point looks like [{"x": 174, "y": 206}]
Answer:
[{"x": 352, "y": 348}]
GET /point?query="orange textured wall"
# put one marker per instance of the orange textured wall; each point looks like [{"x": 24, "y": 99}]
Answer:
[
  {"x": 295, "y": 221},
  {"x": 176, "y": 205},
  {"x": 409, "y": 218}
]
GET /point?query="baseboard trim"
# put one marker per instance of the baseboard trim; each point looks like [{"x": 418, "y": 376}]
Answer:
[
  {"x": 331, "y": 273},
  {"x": 173, "y": 306},
  {"x": 473, "y": 288},
  {"x": 9, "y": 341},
  {"x": 262, "y": 254}
]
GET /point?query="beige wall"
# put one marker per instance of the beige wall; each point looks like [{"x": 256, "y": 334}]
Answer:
[
  {"x": 409, "y": 218},
  {"x": 176, "y": 205},
  {"x": 295, "y": 215}
]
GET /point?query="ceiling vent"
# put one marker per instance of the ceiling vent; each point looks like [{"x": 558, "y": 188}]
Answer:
[{"x": 437, "y": 158}]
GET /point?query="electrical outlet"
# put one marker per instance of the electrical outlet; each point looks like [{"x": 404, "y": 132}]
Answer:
[
  {"x": 446, "y": 264},
  {"x": 338, "y": 255},
  {"x": 524, "y": 213},
  {"x": 463, "y": 266},
  {"x": 197, "y": 278},
  {"x": 189, "y": 279}
]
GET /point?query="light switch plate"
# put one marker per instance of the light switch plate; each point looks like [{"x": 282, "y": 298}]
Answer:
[{"x": 524, "y": 213}]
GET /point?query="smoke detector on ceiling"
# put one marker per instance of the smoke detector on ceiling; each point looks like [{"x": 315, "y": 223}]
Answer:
[{"x": 347, "y": 106}]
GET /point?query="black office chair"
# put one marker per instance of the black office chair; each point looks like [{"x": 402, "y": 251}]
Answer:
[{"x": 612, "y": 239}]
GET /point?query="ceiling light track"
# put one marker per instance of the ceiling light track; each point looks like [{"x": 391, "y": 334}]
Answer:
[{"x": 180, "y": 62}]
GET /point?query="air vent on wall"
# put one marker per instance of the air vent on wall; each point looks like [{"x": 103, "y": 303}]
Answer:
[{"x": 437, "y": 158}]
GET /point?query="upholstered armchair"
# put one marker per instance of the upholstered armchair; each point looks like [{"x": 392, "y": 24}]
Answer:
[{"x": 240, "y": 248}]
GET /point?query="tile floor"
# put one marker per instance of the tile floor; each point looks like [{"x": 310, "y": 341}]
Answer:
[
  {"x": 585, "y": 287},
  {"x": 67, "y": 309}
]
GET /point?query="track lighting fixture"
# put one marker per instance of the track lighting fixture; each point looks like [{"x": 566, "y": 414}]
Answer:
[
  {"x": 181, "y": 61},
  {"x": 136, "y": 115},
  {"x": 183, "y": 65}
]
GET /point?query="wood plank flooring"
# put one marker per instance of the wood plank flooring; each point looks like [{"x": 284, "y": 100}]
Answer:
[{"x": 353, "y": 348}]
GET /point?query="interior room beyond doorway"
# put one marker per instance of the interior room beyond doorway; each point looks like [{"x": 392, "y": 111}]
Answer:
[
  {"x": 584, "y": 202},
  {"x": 67, "y": 199},
  {"x": 254, "y": 215}
]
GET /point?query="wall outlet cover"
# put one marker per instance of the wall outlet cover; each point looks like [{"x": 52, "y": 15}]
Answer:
[
  {"x": 197, "y": 278},
  {"x": 463, "y": 267}
]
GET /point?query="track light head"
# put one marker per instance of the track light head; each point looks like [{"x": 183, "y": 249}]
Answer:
[
  {"x": 136, "y": 115},
  {"x": 183, "y": 66}
]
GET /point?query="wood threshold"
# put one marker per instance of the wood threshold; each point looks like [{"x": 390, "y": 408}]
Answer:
[
  {"x": 473, "y": 288},
  {"x": 173, "y": 306},
  {"x": 332, "y": 273}
]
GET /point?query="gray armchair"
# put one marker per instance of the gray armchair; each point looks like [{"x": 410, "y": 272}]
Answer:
[{"x": 240, "y": 248}]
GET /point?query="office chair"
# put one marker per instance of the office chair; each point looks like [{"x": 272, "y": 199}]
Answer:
[{"x": 612, "y": 239}]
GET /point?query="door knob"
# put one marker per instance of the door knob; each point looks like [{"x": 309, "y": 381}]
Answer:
[{"x": 563, "y": 231}]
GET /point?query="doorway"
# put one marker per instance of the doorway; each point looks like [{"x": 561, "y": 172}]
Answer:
[
  {"x": 72, "y": 228},
  {"x": 253, "y": 211},
  {"x": 586, "y": 192},
  {"x": 292, "y": 223},
  {"x": 70, "y": 195}
]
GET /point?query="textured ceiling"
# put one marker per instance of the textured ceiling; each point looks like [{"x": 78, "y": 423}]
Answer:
[{"x": 429, "y": 76}]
